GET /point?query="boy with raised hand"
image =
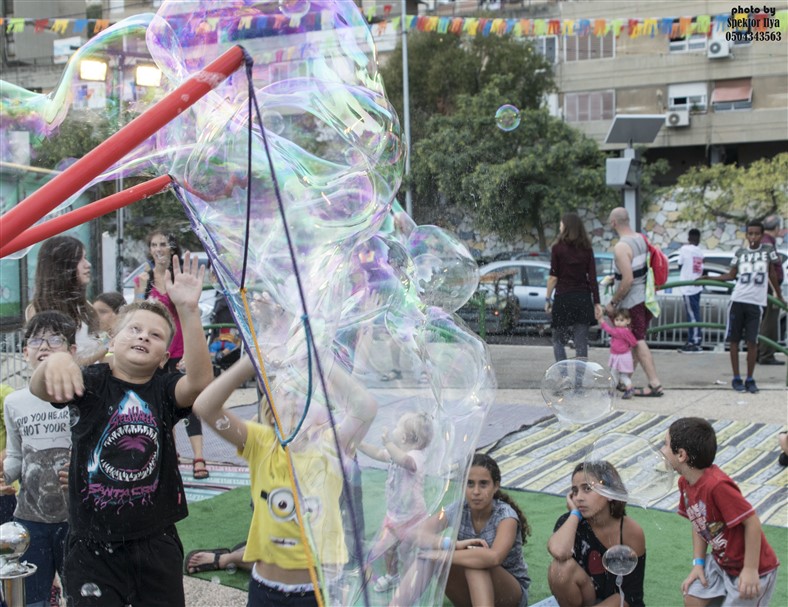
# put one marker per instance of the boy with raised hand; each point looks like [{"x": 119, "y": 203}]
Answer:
[
  {"x": 743, "y": 570},
  {"x": 125, "y": 491},
  {"x": 39, "y": 441},
  {"x": 753, "y": 269}
]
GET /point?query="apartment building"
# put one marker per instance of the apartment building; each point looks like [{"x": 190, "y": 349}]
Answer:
[{"x": 725, "y": 100}]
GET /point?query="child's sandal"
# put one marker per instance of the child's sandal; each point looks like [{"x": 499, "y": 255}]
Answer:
[{"x": 199, "y": 473}]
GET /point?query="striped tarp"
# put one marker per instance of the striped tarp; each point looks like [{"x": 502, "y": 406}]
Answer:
[{"x": 540, "y": 458}]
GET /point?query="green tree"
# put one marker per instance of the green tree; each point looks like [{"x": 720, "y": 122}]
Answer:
[
  {"x": 76, "y": 137},
  {"x": 513, "y": 181},
  {"x": 443, "y": 67},
  {"x": 734, "y": 192}
]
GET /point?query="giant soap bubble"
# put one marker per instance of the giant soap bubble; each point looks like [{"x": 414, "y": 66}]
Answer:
[
  {"x": 578, "y": 391},
  {"x": 646, "y": 475},
  {"x": 378, "y": 291}
]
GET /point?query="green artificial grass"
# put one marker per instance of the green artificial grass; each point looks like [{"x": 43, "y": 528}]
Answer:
[{"x": 223, "y": 521}]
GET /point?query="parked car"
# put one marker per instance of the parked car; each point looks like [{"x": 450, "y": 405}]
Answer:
[
  {"x": 529, "y": 281},
  {"x": 207, "y": 299},
  {"x": 495, "y": 296}
]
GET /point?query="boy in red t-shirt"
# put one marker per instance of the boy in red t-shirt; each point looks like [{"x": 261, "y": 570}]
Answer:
[{"x": 744, "y": 568}]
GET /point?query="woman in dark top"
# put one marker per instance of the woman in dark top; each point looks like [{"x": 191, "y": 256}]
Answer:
[
  {"x": 573, "y": 283},
  {"x": 581, "y": 537}
]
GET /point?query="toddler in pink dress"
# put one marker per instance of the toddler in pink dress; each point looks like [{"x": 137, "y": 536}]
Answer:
[{"x": 622, "y": 340}]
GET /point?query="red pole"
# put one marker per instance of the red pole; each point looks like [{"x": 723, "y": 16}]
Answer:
[
  {"x": 79, "y": 216},
  {"x": 47, "y": 197}
]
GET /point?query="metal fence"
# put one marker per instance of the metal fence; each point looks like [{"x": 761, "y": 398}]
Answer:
[
  {"x": 13, "y": 368},
  {"x": 714, "y": 315}
]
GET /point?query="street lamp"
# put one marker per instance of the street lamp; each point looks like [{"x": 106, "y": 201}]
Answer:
[
  {"x": 145, "y": 74},
  {"x": 93, "y": 70},
  {"x": 624, "y": 172}
]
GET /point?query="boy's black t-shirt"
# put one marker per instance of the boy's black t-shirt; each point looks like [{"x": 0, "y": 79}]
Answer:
[{"x": 124, "y": 481}]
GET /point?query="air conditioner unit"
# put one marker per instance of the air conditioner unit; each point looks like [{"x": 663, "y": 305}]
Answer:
[
  {"x": 677, "y": 118},
  {"x": 718, "y": 48}
]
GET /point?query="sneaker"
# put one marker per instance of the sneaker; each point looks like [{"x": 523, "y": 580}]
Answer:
[
  {"x": 738, "y": 384},
  {"x": 750, "y": 386},
  {"x": 690, "y": 349},
  {"x": 386, "y": 582},
  {"x": 628, "y": 394}
]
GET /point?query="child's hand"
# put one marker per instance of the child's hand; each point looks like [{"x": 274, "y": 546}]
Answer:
[
  {"x": 475, "y": 542},
  {"x": 63, "y": 377},
  {"x": 598, "y": 312},
  {"x": 570, "y": 503},
  {"x": 749, "y": 583},
  {"x": 186, "y": 285},
  {"x": 697, "y": 573},
  {"x": 62, "y": 477},
  {"x": 4, "y": 489}
]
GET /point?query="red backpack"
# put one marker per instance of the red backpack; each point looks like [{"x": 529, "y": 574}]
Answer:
[{"x": 658, "y": 262}]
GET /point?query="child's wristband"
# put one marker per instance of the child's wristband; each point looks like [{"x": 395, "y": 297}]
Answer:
[
  {"x": 577, "y": 514},
  {"x": 701, "y": 562},
  {"x": 446, "y": 543}
]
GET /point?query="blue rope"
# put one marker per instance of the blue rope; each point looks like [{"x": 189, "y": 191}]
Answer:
[{"x": 286, "y": 441}]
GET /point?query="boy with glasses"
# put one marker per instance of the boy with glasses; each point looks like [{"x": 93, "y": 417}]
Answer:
[{"x": 38, "y": 445}]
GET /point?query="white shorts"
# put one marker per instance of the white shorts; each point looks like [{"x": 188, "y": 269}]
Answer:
[{"x": 726, "y": 588}]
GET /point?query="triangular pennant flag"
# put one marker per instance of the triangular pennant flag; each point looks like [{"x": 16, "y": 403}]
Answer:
[
  {"x": 100, "y": 25},
  {"x": 15, "y": 25},
  {"x": 782, "y": 21},
  {"x": 703, "y": 24},
  {"x": 60, "y": 26}
]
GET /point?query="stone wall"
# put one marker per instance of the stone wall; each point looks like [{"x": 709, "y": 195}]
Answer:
[{"x": 660, "y": 222}]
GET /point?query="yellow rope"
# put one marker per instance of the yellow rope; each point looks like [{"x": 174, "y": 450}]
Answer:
[{"x": 313, "y": 575}]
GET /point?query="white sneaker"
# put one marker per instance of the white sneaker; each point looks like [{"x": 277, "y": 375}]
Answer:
[{"x": 386, "y": 582}]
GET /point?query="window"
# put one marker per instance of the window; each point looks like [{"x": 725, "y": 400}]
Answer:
[
  {"x": 592, "y": 105},
  {"x": 689, "y": 96},
  {"x": 696, "y": 43},
  {"x": 583, "y": 48},
  {"x": 547, "y": 46},
  {"x": 732, "y": 95}
]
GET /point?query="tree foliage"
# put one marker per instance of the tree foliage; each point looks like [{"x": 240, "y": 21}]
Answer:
[
  {"x": 443, "y": 67},
  {"x": 78, "y": 136},
  {"x": 513, "y": 181},
  {"x": 734, "y": 192}
]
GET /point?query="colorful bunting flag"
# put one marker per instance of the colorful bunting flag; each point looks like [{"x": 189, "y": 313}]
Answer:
[{"x": 674, "y": 27}]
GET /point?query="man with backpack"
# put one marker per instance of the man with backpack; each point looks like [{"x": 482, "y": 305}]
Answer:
[{"x": 631, "y": 268}]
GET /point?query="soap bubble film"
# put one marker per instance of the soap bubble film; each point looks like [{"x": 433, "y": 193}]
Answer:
[
  {"x": 379, "y": 291},
  {"x": 578, "y": 391},
  {"x": 645, "y": 475},
  {"x": 507, "y": 117},
  {"x": 620, "y": 559}
]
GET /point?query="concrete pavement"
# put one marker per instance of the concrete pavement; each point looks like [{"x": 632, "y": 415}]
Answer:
[{"x": 694, "y": 384}]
